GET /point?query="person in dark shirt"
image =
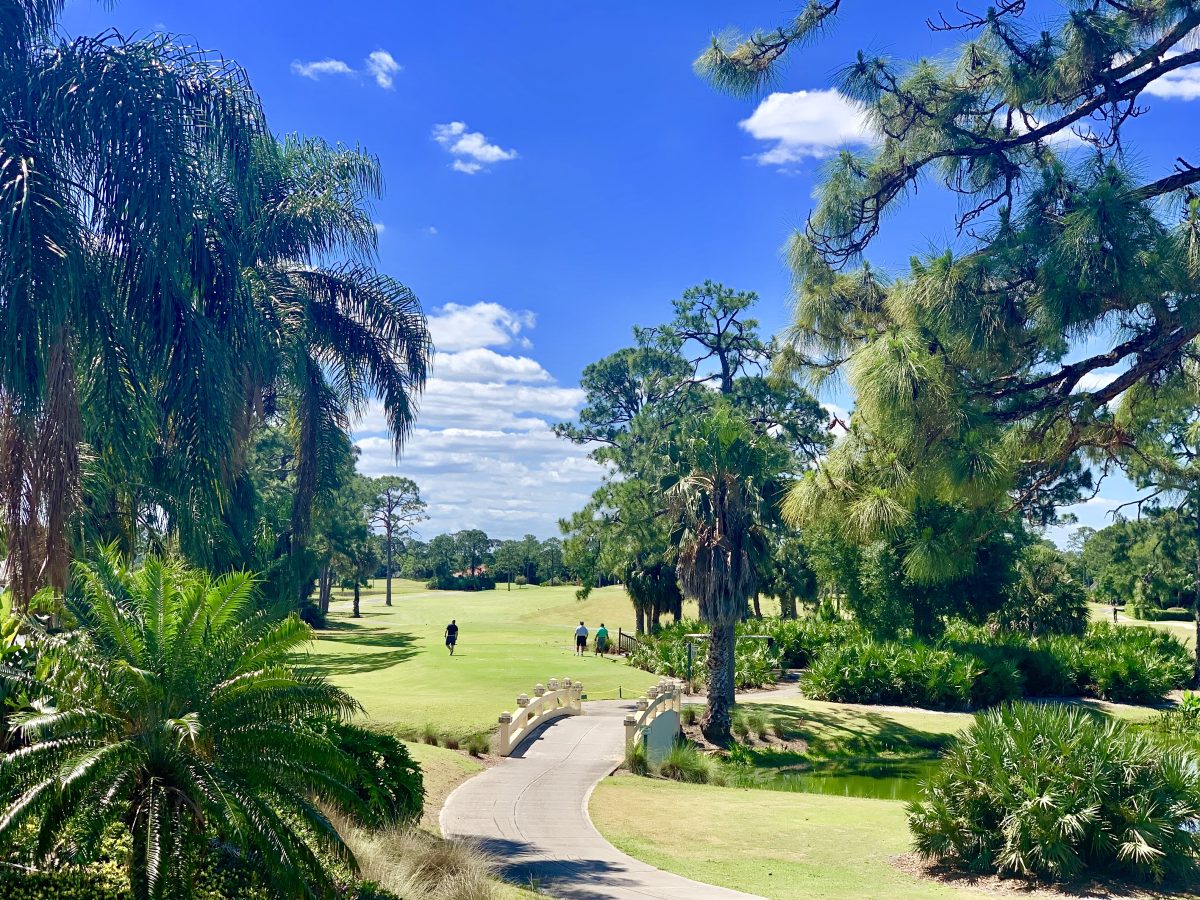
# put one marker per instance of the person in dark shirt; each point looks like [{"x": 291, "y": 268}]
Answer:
[{"x": 451, "y": 636}]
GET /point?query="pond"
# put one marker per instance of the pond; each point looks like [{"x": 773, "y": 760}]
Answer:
[{"x": 875, "y": 779}]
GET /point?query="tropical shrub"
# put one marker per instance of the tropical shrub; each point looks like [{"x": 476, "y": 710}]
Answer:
[
  {"x": 172, "y": 708},
  {"x": 799, "y": 641},
  {"x": 1044, "y": 598},
  {"x": 891, "y": 672},
  {"x": 387, "y": 781},
  {"x": 1181, "y": 725},
  {"x": 1059, "y": 793}
]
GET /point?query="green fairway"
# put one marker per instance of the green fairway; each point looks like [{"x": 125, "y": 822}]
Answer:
[
  {"x": 773, "y": 844},
  {"x": 394, "y": 661}
]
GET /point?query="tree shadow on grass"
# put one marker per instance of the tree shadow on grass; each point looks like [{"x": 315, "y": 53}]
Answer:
[
  {"x": 834, "y": 733},
  {"x": 397, "y": 647}
]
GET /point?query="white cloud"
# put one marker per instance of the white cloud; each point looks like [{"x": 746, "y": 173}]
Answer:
[
  {"x": 481, "y": 364},
  {"x": 379, "y": 65},
  {"x": 471, "y": 150},
  {"x": 806, "y": 124},
  {"x": 458, "y": 327},
  {"x": 483, "y": 452},
  {"x": 315, "y": 70},
  {"x": 383, "y": 68},
  {"x": 1181, "y": 84},
  {"x": 432, "y": 229},
  {"x": 379, "y": 227}
]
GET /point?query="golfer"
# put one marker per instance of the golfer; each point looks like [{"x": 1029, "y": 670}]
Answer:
[
  {"x": 581, "y": 634},
  {"x": 451, "y": 636},
  {"x": 601, "y": 639}
]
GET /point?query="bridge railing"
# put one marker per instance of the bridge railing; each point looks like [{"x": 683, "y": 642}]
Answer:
[
  {"x": 557, "y": 697},
  {"x": 665, "y": 695},
  {"x": 626, "y": 642}
]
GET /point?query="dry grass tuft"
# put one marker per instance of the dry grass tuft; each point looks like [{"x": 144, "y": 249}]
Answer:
[{"x": 417, "y": 865}]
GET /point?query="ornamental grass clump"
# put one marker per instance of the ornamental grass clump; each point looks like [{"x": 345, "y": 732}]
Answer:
[
  {"x": 684, "y": 762},
  {"x": 1058, "y": 793}
]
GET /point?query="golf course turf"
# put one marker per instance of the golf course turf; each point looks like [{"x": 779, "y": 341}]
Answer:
[{"x": 394, "y": 662}]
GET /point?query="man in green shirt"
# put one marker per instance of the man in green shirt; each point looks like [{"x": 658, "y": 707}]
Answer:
[{"x": 601, "y": 639}]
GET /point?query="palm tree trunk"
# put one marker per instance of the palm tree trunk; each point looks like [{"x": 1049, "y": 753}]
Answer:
[
  {"x": 787, "y": 607},
  {"x": 306, "y": 481},
  {"x": 39, "y": 480},
  {"x": 719, "y": 716},
  {"x": 640, "y": 619},
  {"x": 356, "y": 614},
  {"x": 757, "y": 607}
]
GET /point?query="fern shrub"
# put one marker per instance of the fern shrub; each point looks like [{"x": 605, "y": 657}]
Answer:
[{"x": 1058, "y": 793}]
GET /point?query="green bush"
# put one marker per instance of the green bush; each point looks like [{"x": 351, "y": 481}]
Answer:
[
  {"x": 1059, "y": 793},
  {"x": 1181, "y": 725},
  {"x": 1150, "y": 613},
  {"x": 891, "y": 672},
  {"x": 387, "y": 779},
  {"x": 480, "y": 582}
]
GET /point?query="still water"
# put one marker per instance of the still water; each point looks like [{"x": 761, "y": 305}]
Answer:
[{"x": 876, "y": 779}]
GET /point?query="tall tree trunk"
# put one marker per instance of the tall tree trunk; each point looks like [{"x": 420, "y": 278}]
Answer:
[
  {"x": 388, "y": 599},
  {"x": 787, "y": 607},
  {"x": 357, "y": 614},
  {"x": 1196, "y": 598},
  {"x": 757, "y": 607},
  {"x": 325, "y": 588},
  {"x": 655, "y": 620},
  {"x": 719, "y": 716},
  {"x": 639, "y": 619},
  {"x": 306, "y": 480}
]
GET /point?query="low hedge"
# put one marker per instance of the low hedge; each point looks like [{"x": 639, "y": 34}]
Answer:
[
  {"x": 1157, "y": 614},
  {"x": 1059, "y": 793}
]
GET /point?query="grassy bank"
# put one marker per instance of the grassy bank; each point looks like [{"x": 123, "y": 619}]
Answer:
[{"x": 772, "y": 844}]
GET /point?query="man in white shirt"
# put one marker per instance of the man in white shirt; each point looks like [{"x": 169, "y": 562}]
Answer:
[{"x": 581, "y": 634}]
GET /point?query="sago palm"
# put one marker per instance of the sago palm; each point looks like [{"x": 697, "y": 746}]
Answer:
[
  {"x": 172, "y": 708},
  {"x": 721, "y": 495}
]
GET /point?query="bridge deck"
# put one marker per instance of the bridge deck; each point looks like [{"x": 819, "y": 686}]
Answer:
[{"x": 530, "y": 810}]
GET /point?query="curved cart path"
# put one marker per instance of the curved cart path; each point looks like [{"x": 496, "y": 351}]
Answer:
[{"x": 530, "y": 810}]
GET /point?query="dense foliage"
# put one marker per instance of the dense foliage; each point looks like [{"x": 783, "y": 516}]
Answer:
[
  {"x": 174, "y": 280},
  {"x": 968, "y": 667},
  {"x": 1058, "y": 793},
  {"x": 171, "y": 708}
]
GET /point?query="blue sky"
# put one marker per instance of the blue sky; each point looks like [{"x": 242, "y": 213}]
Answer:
[{"x": 556, "y": 174}]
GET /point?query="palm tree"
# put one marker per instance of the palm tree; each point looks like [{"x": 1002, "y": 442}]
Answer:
[
  {"x": 342, "y": 334},
  {"x": 108, "y": 153},
  {"x": 721, "y": 495},
  {"x": 173, "y": 708}
]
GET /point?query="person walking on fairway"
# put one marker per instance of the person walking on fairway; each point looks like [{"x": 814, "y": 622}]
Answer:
[
  {"x": 451, "y": 636},
  {"x": 581, "y": 634},
  {"x": 601, "y": 639}
]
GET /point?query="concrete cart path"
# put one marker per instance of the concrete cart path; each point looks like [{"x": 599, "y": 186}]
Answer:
[{"x": 530, "y": 810}]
